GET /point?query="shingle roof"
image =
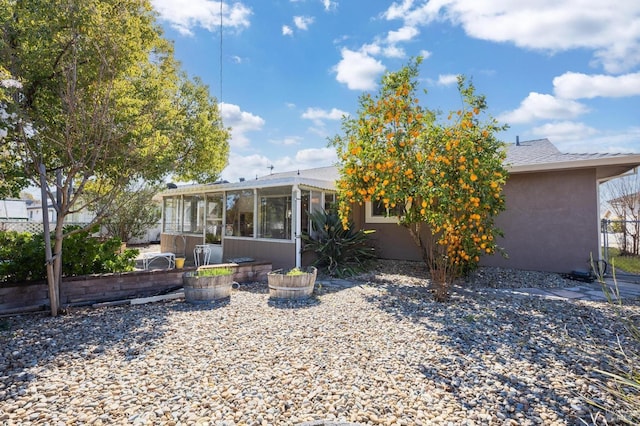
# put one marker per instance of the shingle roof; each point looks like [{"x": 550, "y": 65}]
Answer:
[
  {"x": 328, "y": 173},
  {"x": 542, "y": 151},
  {"x": 526, "y": 156}
]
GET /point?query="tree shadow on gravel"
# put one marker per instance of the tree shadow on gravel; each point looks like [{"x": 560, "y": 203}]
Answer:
[
  {"x": 294, "y": 303},
  {"x": 488, "y": 336},
  {"x": 31, "y": 345},
  {"x": 184, "y": 306},
  {"x": 253, "y": 287}
]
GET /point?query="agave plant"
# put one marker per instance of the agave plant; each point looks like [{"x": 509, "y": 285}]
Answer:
[{"x": 341, "y": 252}]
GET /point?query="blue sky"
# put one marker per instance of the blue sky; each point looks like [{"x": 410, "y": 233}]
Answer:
[{"x": 565, "y": 70}]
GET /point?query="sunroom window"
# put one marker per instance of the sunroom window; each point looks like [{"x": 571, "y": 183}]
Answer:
[
  {"x": 239, "y": 214},
  {"x": 274, "y": 213},
  {"x": 171, "y": 214},
  {"x": 193, "y": 214}
]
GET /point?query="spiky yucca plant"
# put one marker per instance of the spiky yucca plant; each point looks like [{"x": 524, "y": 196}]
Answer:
[{"x": 340, "y": 252}]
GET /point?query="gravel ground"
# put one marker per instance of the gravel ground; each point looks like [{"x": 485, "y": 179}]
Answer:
[{"x": 379, "y": 352}]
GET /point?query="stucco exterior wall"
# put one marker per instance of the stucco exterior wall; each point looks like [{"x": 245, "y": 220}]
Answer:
[{"x": 550, "y": 224}]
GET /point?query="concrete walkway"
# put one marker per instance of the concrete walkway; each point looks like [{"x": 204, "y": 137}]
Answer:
[
  {"x": 628, "y": 288},
  {"x": 625, "y": 290}
]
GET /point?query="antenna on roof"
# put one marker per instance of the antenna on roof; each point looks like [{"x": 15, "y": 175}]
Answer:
[
  {"x": 517, "y": 140},
  {"x": 271, "y": 169},
  {"x": 221, "y": 2}
]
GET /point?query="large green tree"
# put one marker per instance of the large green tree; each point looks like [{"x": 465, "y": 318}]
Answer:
[
  {"x": 12, "y": 175},
  {"x": 102, "y": 103},
  {"x": 132, "y": 212},
  {"x": 442, "y": 178}
]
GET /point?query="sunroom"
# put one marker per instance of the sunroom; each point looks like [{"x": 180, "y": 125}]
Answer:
[{"x": 261, "y": 219}]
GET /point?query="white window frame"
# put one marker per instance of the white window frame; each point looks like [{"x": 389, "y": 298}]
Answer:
[{"x": 370, "y": 218}]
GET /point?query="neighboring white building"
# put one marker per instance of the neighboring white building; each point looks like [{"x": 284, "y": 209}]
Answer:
[
  {"x": 13, "y": 210},
  {"x": 35, "y": 214}
]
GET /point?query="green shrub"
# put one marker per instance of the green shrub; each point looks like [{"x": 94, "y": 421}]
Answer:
[
  {"x": 22, "y": 256},
  {"x": 295, "y": 272},
  {"x": 341, "y": 252}
]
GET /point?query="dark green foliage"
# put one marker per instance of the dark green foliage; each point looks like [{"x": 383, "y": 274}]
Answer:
[
  {"x": 22, "y": 256},
  {"x": 340, "y": 252}
]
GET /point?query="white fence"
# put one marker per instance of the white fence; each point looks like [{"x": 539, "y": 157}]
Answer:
[
  {"x": 31, "y": 227},
  {"x": 152, "y": 234}
]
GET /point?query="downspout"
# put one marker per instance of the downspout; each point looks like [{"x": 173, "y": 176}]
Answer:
[{"x": 297, "y": 198}]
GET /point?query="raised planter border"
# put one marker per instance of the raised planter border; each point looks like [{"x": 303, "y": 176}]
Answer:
[{"x": 91, "y": 289}]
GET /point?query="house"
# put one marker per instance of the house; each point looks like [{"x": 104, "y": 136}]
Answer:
[
  {"x": 551, "y": 221},
  {"x": 35, "y": 214},
  {"x": 13, "y": 209}
]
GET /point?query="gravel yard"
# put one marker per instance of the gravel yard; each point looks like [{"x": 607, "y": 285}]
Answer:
[{"x": 376, "y": 352}]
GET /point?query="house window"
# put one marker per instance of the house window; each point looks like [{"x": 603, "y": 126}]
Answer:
[
  {"x": 171, "y": 216},
  {"x": 376, "y": 212},
  {"x": 274, "y": 214},
  {"x": 329, "y": 201},
  {"x": 193, "y": 214},
  {"x": 239, "y": 214}
]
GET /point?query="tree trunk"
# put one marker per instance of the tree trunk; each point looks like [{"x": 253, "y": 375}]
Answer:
[
  {"x": 53, "y": 256},
  {"x": 438, "y": 268}
]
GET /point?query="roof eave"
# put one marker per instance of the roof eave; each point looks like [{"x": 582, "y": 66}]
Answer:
[
  {"x": 268, "y": 183},
  {"x": 627, "y": 160}
]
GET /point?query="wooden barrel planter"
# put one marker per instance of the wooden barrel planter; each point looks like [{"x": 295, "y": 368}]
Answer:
[
  {"x": 204, "y": 285},
  {"x": 296, "y": 286}
]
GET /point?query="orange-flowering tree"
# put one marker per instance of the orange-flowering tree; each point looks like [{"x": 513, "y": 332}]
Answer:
[{"x": 443, "y": 180}]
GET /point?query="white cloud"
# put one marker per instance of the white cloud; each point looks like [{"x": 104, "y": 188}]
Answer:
[
  {"x": 358, "y": 70},
  {"x": 316, "y": 157},
  {"x": 302, "y": 22},
  {"x": 538, "y": 106},
  {"x": 447, "y": 79},
  {"x": 618, "y": 141},
  {"x": 609, "y": 29},
  {"x": 371, "y": 49},
  {"x": 289, "y": 140},
  {"x": 398, "y": 10},
  {"x": 187, "y": 15},
  {"x": 250, "y": 166},
  {"x": 286, "y": 30},
  {"x": 240, "y": 122},
  {"x": 247, "y": 167},
  {"x": 393, "y": 52},
  {"x": 329, "y": 5},
  {"x": 573, "y": 85},
  {"x": 317, "y": 115},
  {"x": 405, "y": 33},
  {"x": 564, "y": 131},
  {"x": 425, "y": 54}
]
